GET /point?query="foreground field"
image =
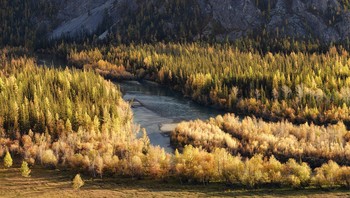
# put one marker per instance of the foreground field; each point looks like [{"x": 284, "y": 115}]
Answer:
[{"x": 56, "y": 183}]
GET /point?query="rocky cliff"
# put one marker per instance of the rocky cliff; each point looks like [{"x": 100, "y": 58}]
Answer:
[{"x": 325, "y": 20}]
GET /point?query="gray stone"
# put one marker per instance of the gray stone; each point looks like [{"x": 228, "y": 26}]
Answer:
[{"x": 324, "y": 20}]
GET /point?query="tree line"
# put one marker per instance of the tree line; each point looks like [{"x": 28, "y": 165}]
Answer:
[
  {"x": 300, "y": 87},
  {"x": 61, "y": 118},
  {"x": 248, "y": 136}
]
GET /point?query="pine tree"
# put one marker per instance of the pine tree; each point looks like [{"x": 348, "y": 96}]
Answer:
[
  {"x": 77, "y": 182},
  {"x": 25, "y": 169},
  {"x": 8, "y": 160}
]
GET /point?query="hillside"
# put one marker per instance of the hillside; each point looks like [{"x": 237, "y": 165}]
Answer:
[{"x": 133, "y": 20}]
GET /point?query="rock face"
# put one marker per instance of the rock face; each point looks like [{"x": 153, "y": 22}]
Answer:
[
  {"x": 78, "y": 17},
  {"x": 237, "y": 17},
  {"x": 305, "y": 18},
  {"x": 84, "y": 16},
  {"x": 325, "y": 20}
]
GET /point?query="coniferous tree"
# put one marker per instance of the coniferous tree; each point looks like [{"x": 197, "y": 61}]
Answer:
[
  {"x": 25, "y": 171},
  {"x": 77, "y": 182},
  {"x": 8, "y": 160}
]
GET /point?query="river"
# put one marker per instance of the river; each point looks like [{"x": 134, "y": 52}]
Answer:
[{"x": 158, "y": 109}]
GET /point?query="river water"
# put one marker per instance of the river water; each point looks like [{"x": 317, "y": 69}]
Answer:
[{"x": 158, "y": 109}]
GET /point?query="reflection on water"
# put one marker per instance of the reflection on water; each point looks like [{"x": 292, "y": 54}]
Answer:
[{"x": 159, "y": 106}]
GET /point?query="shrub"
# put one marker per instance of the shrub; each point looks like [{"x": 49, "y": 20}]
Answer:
[
  {"x": 274, "y": 169},
  {"x": 136, "y": 168},
  {"x": 158, "y": 162},
  {"x": 233, "y": 169},
  {"x": 344, "y": 177},
  {"x": 48, "y": 158},
  {"x": 195, "y": 164},
  {"x": 297, "y": 175},
  {"x": 99, "y": 165},
  {"x": 326, "y": 175},
  {"x": 254, "y": 173}
]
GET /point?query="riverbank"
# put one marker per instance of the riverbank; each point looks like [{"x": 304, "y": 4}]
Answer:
[{"x": 158, "y": 109}]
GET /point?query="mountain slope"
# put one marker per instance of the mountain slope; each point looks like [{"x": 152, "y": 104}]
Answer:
[
  {"x": 325, "y": 20},
  {"x": 179, "y": 20},
  {"x": 87, "y": 22}
]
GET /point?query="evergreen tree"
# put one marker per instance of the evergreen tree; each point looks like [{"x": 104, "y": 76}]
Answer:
[
  {"x": 77, "y": 182},
  {"x": 25, "y": 169},
  {"x": 8, "y": 160}
]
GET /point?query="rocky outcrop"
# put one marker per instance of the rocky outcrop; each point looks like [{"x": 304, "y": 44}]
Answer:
[
  {"x": 325, "y": 20},
  {"x": 238, "y": 18},
  {"x": 308, "y": 19},
  {"x": 81, "y": 16}
]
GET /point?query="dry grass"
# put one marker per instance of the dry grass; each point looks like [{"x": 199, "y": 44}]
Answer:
[{"x": 57, "y": 183}]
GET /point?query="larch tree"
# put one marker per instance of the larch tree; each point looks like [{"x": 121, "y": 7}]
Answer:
[
  {"x": 8, "y": 160},
  {"x": 25, "y": 171},
  {"x": 77, "y": 182}
]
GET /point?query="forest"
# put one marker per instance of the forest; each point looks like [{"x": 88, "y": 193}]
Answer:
[
  {"x": 299, "y": 87},
  {"x": 74, "y": 118},
  {"x": 19, "y": 21},
  {"x": 309, "y": 143},
  {"x": 286, "y": 101}
]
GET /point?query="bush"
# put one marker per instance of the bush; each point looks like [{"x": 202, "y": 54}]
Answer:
[
  {"x": 195, "y": 164},
  {"x": 326, "y": 175},
  {"x": 344, "y": 177},
  {"x": 48, "y": 158},
  {"x": 136, "y": 166},
  {"x": 158, "y": 162},
  {"x": 254, "y": 173},
  {"x": 274, "y": 169},
  {"x": 233, "y": 167},
  {"x": 297, "y": 175}
]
